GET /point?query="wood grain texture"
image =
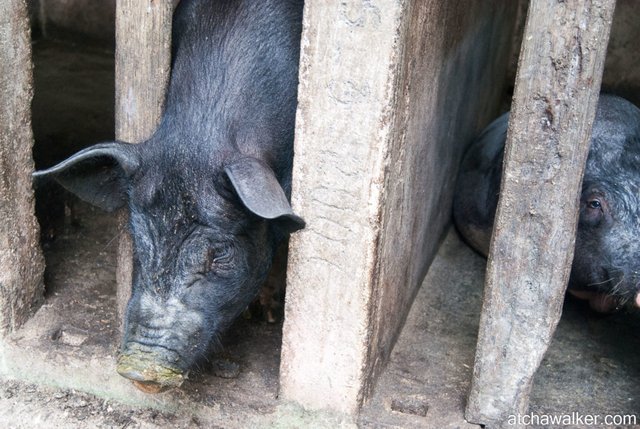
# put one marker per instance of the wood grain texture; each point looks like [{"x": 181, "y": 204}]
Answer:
[
  {"x": 379, "y": 133},
  {"x": 143, "y": 58},
  {"x": 556, "y": 92},
  {"x": 21, "y": 261}
]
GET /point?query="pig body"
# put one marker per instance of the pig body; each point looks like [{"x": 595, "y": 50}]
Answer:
[
  {"x": 208, "y": 191},
  {"x": 606, "y": 265}
]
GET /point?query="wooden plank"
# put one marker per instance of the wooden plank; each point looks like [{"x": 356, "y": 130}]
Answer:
[
  {"x": 21, "y": 261},
  {"x": 379, "y": 134},
  {"x": 143, "y": 58},
  {"x": 556, "y": 92}
]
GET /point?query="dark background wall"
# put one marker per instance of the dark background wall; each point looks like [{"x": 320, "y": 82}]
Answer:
[{"x": 87, "y": 18}]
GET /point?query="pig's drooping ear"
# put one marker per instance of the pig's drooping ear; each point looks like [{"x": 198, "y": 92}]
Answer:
[
  {"x": 98, "y": 174},
  {"x": 259, "y": 190}
]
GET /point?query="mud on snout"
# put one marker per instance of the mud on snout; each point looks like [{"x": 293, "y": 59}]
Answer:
[
  {"x": 149, "y": 370},
  {"x": 162, "y": 341}
]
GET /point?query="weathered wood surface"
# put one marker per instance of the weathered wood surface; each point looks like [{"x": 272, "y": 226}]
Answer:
[
  {"x": 143, "y": 57},
  {"x": 21, "y": 261},
  {"x": 554, "y": 103},
  {"x": 390, "y": 92}
]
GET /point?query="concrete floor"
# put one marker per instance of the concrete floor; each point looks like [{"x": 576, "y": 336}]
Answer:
[{"x": 591, "y": 368}]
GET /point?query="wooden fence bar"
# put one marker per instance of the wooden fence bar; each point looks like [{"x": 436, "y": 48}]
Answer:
[
  {"x": 556, "y": 91},
  {"x": 143, "y": 58},
  {"x": 390, "y": 93},
  {"x": 21, "y": 261}
]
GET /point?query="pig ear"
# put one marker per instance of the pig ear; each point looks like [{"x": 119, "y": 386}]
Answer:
[
  {"x": 98, "y": 174},
  {"x": 259, "y": 190}
]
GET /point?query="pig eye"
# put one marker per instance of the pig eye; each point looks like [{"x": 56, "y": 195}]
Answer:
[
  {"x": 216, "y": 257},
  {"x": 594, "y": 204},
  {"x": 593, "y": 211}
]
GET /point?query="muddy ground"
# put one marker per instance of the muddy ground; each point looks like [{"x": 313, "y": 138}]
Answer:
[{"x": 31, "y": 406}]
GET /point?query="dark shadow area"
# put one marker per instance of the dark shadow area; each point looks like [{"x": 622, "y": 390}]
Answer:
[{"x": 73, "y": 107}]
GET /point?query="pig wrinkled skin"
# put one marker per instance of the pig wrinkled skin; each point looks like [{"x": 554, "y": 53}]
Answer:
[
  {"x": 208, "y": 192},
  {"x": 606, "y": 264}
]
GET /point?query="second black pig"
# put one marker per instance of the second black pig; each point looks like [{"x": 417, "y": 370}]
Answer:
[
  {"x": 208, "y": 191},
  {"x": 606, "y": 264}
]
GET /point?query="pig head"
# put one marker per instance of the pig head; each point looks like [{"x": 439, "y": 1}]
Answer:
[{"x": 204, "y": 234}]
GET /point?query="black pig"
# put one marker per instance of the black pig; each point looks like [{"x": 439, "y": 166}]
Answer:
[
  {"x": 606, "y": 264},
  {"x": 208, "y": 191}
]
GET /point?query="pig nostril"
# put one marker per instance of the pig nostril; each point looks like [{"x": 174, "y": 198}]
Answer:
[
  {"x": 149, "y": 387},
  {"x": 141, "y": 382},
  {"x": 131, "y": 374},
  {"x": 149, "y": 372}
]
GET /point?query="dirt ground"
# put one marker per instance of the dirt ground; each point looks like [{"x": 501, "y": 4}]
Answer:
[
  {"x": 30, "y": 406},
  {"x": 58, "y": 371}
]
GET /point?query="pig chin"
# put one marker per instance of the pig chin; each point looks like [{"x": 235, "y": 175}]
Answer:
[
  {"x": 158, "y": 351},
  {"x": 610, "y": 291}
]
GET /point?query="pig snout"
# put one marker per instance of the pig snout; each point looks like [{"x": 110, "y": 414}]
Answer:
[
  {"x": 162, "y": 337},
  {"x": 149, "y": 368},
  {"x": 597, "y": 275},
  {"x": 605, "y": 268},
  {"x": 600, "y": 302}
]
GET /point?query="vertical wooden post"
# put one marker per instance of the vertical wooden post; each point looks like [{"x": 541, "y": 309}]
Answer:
[
  {"x": 556, "y": 92},
  {"x": 379, "y": 135},
  {"x": 21, "y": 261},
  {"x": 143, "y": 57}
]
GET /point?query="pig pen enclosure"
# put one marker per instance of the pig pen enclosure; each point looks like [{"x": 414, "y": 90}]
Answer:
[{"x": 379, "y": 134}]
